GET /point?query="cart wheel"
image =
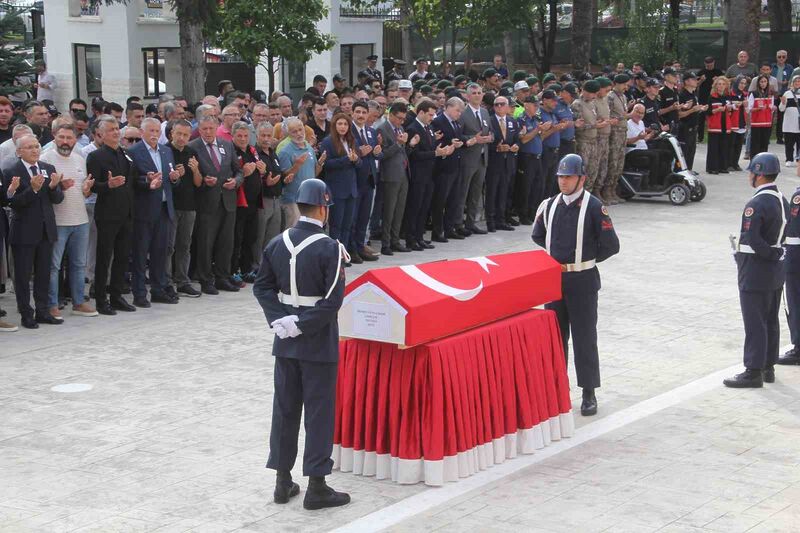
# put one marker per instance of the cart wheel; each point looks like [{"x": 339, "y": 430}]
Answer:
[
  {"x": 699, "y": 192},
  {"x": 679, "y": 194}
]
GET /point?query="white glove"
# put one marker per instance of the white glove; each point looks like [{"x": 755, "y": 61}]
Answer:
[
  {"x": 289, "y": 326},
  {"x": 280, "y": 331}
]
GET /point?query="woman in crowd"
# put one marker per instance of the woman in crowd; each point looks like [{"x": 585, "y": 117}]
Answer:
[
  {"x": 737, "y": 120},
  {"x": 790, "y": 101},
  {"x": 717, "y": 127},
  {"x": 761, "y": 106}
]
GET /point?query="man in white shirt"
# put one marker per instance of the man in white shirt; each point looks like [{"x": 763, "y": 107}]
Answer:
[
  {"x": 72, "y": 221},
  {"x": 91, "y": 200},
  {"x": 637, "y": 154},
  {"x": 45, "y": 84}
]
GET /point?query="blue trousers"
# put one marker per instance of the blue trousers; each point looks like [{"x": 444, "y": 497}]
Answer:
[
  {"x": 341, "y": 219},
  {"x": 762, "y": 332},
  {"x": 150, "y": 239},
  {"x": 363, "y": 208},
  {"x": 73, "y": 240},
  {"x": 793, "y": 303}
]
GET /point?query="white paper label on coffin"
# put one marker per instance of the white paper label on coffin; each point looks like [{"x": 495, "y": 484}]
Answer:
[{"x": 462, "y": 295}]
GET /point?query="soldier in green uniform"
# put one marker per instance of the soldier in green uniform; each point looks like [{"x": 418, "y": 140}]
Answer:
[
  {"x": 603, "y": 115},
  {"x": 618, "y": 107},
  {"x": 583, "y": 108}
]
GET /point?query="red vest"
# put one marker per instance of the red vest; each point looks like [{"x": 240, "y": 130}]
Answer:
[
  {"x": 736, "y": 116},
  {"x": 761, "y": 114},
  {"x": 714, "y": 120}
]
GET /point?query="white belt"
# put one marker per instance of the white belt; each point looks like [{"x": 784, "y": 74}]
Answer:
[
  {"x": 302, "y": 301},
  {"x": 792, "y": 241},
  {"x": 578, "y": 267},
  {"x": 746, "y": 249}
]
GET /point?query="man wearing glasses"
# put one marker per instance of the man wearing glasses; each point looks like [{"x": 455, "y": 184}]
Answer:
[
  {"x": 75, "y": 105},
  {"x": 230, "y": 115},
  {"x": 782, "y": 72},
  {"x": 129, "y": 136}
]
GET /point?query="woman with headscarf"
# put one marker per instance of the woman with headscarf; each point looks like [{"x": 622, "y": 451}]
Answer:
[
  {"x": 761, "y": 106},
  {"x": 737, "y": 120},
  {"x": 790, "y": 102}
]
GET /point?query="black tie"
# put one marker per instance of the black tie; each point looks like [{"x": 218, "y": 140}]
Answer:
[
  {"x": 34, "y": 170},
  {"x": 361, "y": 134}
]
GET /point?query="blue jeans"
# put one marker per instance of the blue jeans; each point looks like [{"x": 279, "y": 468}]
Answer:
[{"x": 73, "y": 240}]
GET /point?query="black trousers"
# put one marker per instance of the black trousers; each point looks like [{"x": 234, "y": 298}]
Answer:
[
  {"x": 762, "y": 331},
  {"x": 150, "y": 240},
  {"x": 735, "y": 140},
  {"x": 497, "y": 183},
  {"x": 687, "y": 136},
  {"x": 244, "y": 235},
  {"x": 793, "y": 303},
  {"x": 759, "y": 140},
  {"x": 445, "y": 196},
  {"x": 791, "y": 145},
  {"x": 566, "y": 148},
  {"x": 550, "y": 159},
  {"x": 418, "y": 204},
  {"x": 778, "y": 124},
  {"x": 32, "y": 260},
  {"x": 717, "y": 156},
  {"x": 303, "y": 385},
  {"x": 577, "y": 313},
  {"x": 701, "y": 125},
  {"x": 214, "y": 233},
  {"x": 529, "y": 191},
  {"x": 113, "y": 240}
]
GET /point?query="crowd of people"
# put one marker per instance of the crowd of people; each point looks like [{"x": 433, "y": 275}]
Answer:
[{"x": 183, "y": 196}]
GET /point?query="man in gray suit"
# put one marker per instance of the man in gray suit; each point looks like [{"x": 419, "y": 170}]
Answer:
[
  {"x": 216, "y": 207},
  {"x": 474, "y": 158},
  {"x": 394, "y": 176}
]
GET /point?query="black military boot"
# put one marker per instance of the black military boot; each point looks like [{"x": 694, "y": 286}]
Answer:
[
  {"x": 285, "y": 488},
  {"x": 589, "y": 403},
  {"x": 749, "y": 379},
  {"x": 319, "y": 495},
  {"x": 792, "y": 357},
  {"x": 769, "y": 374}
]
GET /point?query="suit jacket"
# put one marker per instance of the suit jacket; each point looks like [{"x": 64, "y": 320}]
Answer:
[
  {"x": 394, "y": 166},
  {"x": 506, "y": 161},
  {"x": 32, "y": 215},
  {"x": 112, "y": 204},
  {"x": 449, "y": 164},
  {"x": 3, "y": 203},
  {"x": 148, "y": 201},
  {"x": 340, "y": 172},
  {"x": 422, "y": 157},
  {"x": 208, "y": 198},
  {"x": 473, "y": 155},
  {"x": 369, "y": 164}
]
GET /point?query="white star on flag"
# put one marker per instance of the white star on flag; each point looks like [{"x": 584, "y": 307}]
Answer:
[{"x": 484, "y": 262}]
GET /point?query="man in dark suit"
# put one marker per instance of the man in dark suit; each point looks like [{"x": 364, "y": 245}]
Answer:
[
  {"x": 4, "y": 182},
  {"x": 216, "y": 208},
  {"x": 32, "y": 190},
  {"x": 474, "y": 159},
  {"x": 445, "y": 186},
  {"x": 370, "y": 151},
  {"x": 502, "y": 165},
  {"x": 113, "y": 173},
  {"x": 422, "y": 157},
  {"x": 394, "y": 177},
  {"x": 153, "y": 216}
]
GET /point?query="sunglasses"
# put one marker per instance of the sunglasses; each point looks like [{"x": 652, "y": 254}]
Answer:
[
  {"x": 781, "y": 57},
  {"x": 133, "y": 139},
  {"x": 76, "y": 109}
]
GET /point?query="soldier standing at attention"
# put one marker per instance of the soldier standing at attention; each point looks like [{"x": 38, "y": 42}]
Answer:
[
  {"x": 603, "y": 115},
  {"x": 759, "y": 261},
  {"x": 586, "y": 136},
  {"x": 618, "y": 106},
  {"x": 792, "y": 269},
  {"x": 575, "y": 229},
  {"x": 300, "y": 286}
]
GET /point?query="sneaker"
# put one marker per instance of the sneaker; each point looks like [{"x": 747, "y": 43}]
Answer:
[
  {"x": 188, "y": 290},
  {"x": 791, "y": 164},
  {"x": 237, "y": 280},
  {"x": 56, "y": 313},
  {"x": 250, "y": 277},
  {"x": 5, "y": 327},
  {"x": 85, "y": 309}
]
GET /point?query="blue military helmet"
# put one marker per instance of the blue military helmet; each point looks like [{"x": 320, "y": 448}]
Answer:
[
  {"x": 571, "y": 165},
  {"x": 765, "y": 163},
  {"x": 313, "y": 191}
]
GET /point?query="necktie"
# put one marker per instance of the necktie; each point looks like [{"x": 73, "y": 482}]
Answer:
[
  {"x": 213, "y": 154},
  {"x": 34, "y": 170},
  {"x": 478, "y": 117},
  {"x": 363, "y": 137},
  {"x": 502, "y": 122}
]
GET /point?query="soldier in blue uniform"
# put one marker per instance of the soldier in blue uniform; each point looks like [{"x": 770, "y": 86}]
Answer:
[
  {"x": 575, "y": 229},
  {"x": 759, "y": 260},
  {"x": 300, "y": 286},
  {"x": 792, "y": 269}
]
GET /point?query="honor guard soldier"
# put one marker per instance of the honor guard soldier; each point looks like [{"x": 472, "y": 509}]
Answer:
[
  {"x": 300, "y": 286},
  {"x": 372, "y": 71},
  {"x": 759, "y": 260},
  {"x": 792, "y": 269},
  {"x": 575, "y": 229}
]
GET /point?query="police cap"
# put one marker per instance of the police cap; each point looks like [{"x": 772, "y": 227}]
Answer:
[
  {"x": 570, "y": 165},
  {"x": 689, "y": 76},
  {"x": 313, "y": 191},
  {"x": 591, "y": 86},
  {"x": 399, "y": 62},
  {"x": 622, "y": 78},
  {"x": 765, "y": 163},
  {"x": 372, "y": 57},
  {"x": 652, "y": 82},
  {"x": 669, "y": 71},
  {"x": 586, "y": 76}
]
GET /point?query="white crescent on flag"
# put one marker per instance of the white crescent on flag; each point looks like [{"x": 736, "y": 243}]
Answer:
[{"x": 462, "y": 295}]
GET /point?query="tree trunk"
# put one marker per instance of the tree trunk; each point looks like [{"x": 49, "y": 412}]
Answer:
[
  {"x": 581, "y": 34},
  {"x": 672, "y": 26},
  {"x": 193, "y": 60},
  {"x": 549, "y": 42},
  {"x": 743, "y": 29},
  {"x": 405, "y": 23},
  {"x": 271, "y": 73},
  {"x": 508, "y": 48},
  {"x": 533, "y": 49},
  {"x": 780, "y": 15}
]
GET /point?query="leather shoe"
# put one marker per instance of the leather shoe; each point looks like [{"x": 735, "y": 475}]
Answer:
[
  {"x": 790, "y": 358},
  {"x": 426, "y": 245},
  {"x": 589, "y": 403},
  {"x": 367, "y": 255},
  {"x": 188, "y": 290},
  {"x": 490, "y": 227},
  {"x": 209, "y": 288},
  {"x": 439, "y": 237},
  {"x": 476, "y": 230},
  {"x": 399, "y": 248},
  {"x": 464, "y": 232},
  {"x": 320, "y": 496},
  {"x": 414, "y": 246},
  {"x": 285, "y": 488},
  {"x": 386, "y": 250},
  {"x": 141, "y": 302},
  {"x": 749, "y": 379},
  {"x": 48, "y": 319},
  {"x": 164, "y": 298},
  {"x": 355, "y": 258},
  {"x": 29, "y": 322},
  {"x": 769, "y": 374},
  {"x": 512, "y": 221},
  {"x": 455, "y": 235},
  {"x": 104, "y": 308},
  {"x": 505, "y": 227},
  {"x": 225, "y": 285},
  {"x": 119, "y": 303}
]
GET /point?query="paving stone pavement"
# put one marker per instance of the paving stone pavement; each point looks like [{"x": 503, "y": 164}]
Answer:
[{"x": 173, "y": 434}]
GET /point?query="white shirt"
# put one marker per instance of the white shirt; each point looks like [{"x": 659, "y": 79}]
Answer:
[
  {"x": 8, "y": 153},
  {"x": 43, "y": 93},
  {"x": 85, "y": 151},
  {"x": 635, "y": 129},
  {"x": 311, "y": 220},
  {"x": 162, "y": 139},
  {"x": 71, "y": 211},
  {"x": 568, "y": 199}
]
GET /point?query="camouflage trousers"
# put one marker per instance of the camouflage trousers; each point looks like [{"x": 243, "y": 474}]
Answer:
[
  {"x": 602, "y": 161},
  {"x": 616, "y": 158},
  {"x": 587, "y": 149}
]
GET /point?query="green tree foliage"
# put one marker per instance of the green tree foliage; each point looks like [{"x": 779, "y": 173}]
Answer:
[{"x": 14, "y": 55}]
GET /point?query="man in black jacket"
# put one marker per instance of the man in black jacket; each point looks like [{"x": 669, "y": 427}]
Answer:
[
  {"x": 446, "y": 180},
  {"x": 113, "y": 173},
  {"x": 32, "y": 190}
]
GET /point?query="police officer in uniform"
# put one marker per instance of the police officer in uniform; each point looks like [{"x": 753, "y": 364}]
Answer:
[
  {"x": 575, "y": 229},
  {"x": 569, "y": 94},
  {"x": 668, "y": 100},
  {"x": 300, "y": 287},
  {"x": 397, "y": 71},
  {"x": 792, "y": 269},
  {"x": 759, "y": 261},
  {"x": 371, "y": 71}
]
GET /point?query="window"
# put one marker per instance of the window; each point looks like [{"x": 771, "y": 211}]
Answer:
[
  {"x": 88, "y": 71},
  {"x": 162, "y": 71},
  {"x": 353, "y": 59}
]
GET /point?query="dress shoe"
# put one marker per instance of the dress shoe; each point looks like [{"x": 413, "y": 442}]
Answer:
[
  {"x": 490, "y": 227},
  {"x": 226, "y": 285},
  {"x": 386, "y": 250},
  {"x": 414, "y": 246},
  {"x": 399, "y": 248},
  {"x": 48, "y": 319},
  {"x": 525, "y": 221},
  {"x": 476, "y": 230},
  {"x": 426, "y": 245},
  {"x": 56, "y": 313},
  {"x": 439, "y": 237},
  {"x": 367, "y": 255},
  {"x": 84, "y": 309},
  {"x": 119, "y": 303},
  {"x": 141, "y": 302},
  {"x": 769, "y": 374},
  {"x": 163, "y": 298},
  {"x": 455, "y": 235},
  {"x": 104, "y": 308},
  {"x": 320, "y": 496},
  {"x": 189, "y": 291},
  {"x": 724, "y": 172},
  {"x": 511, "y": 221},
  {"x": 367, "y": 250},
  {"x": 209, "y": 288},
  {"x": 170, "y": 290},
  {"x": 589, "y": 403},
  {"x": 749, "y": 379},
  {"x": 285, "y": 488},
  {"x": 29, "y": 322},
  {"x": 464, "y": 232},
  {"x": 792, "y": 357},
  {"x": 355, "y": 258},
  {"x": 505, "y": 227}
]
